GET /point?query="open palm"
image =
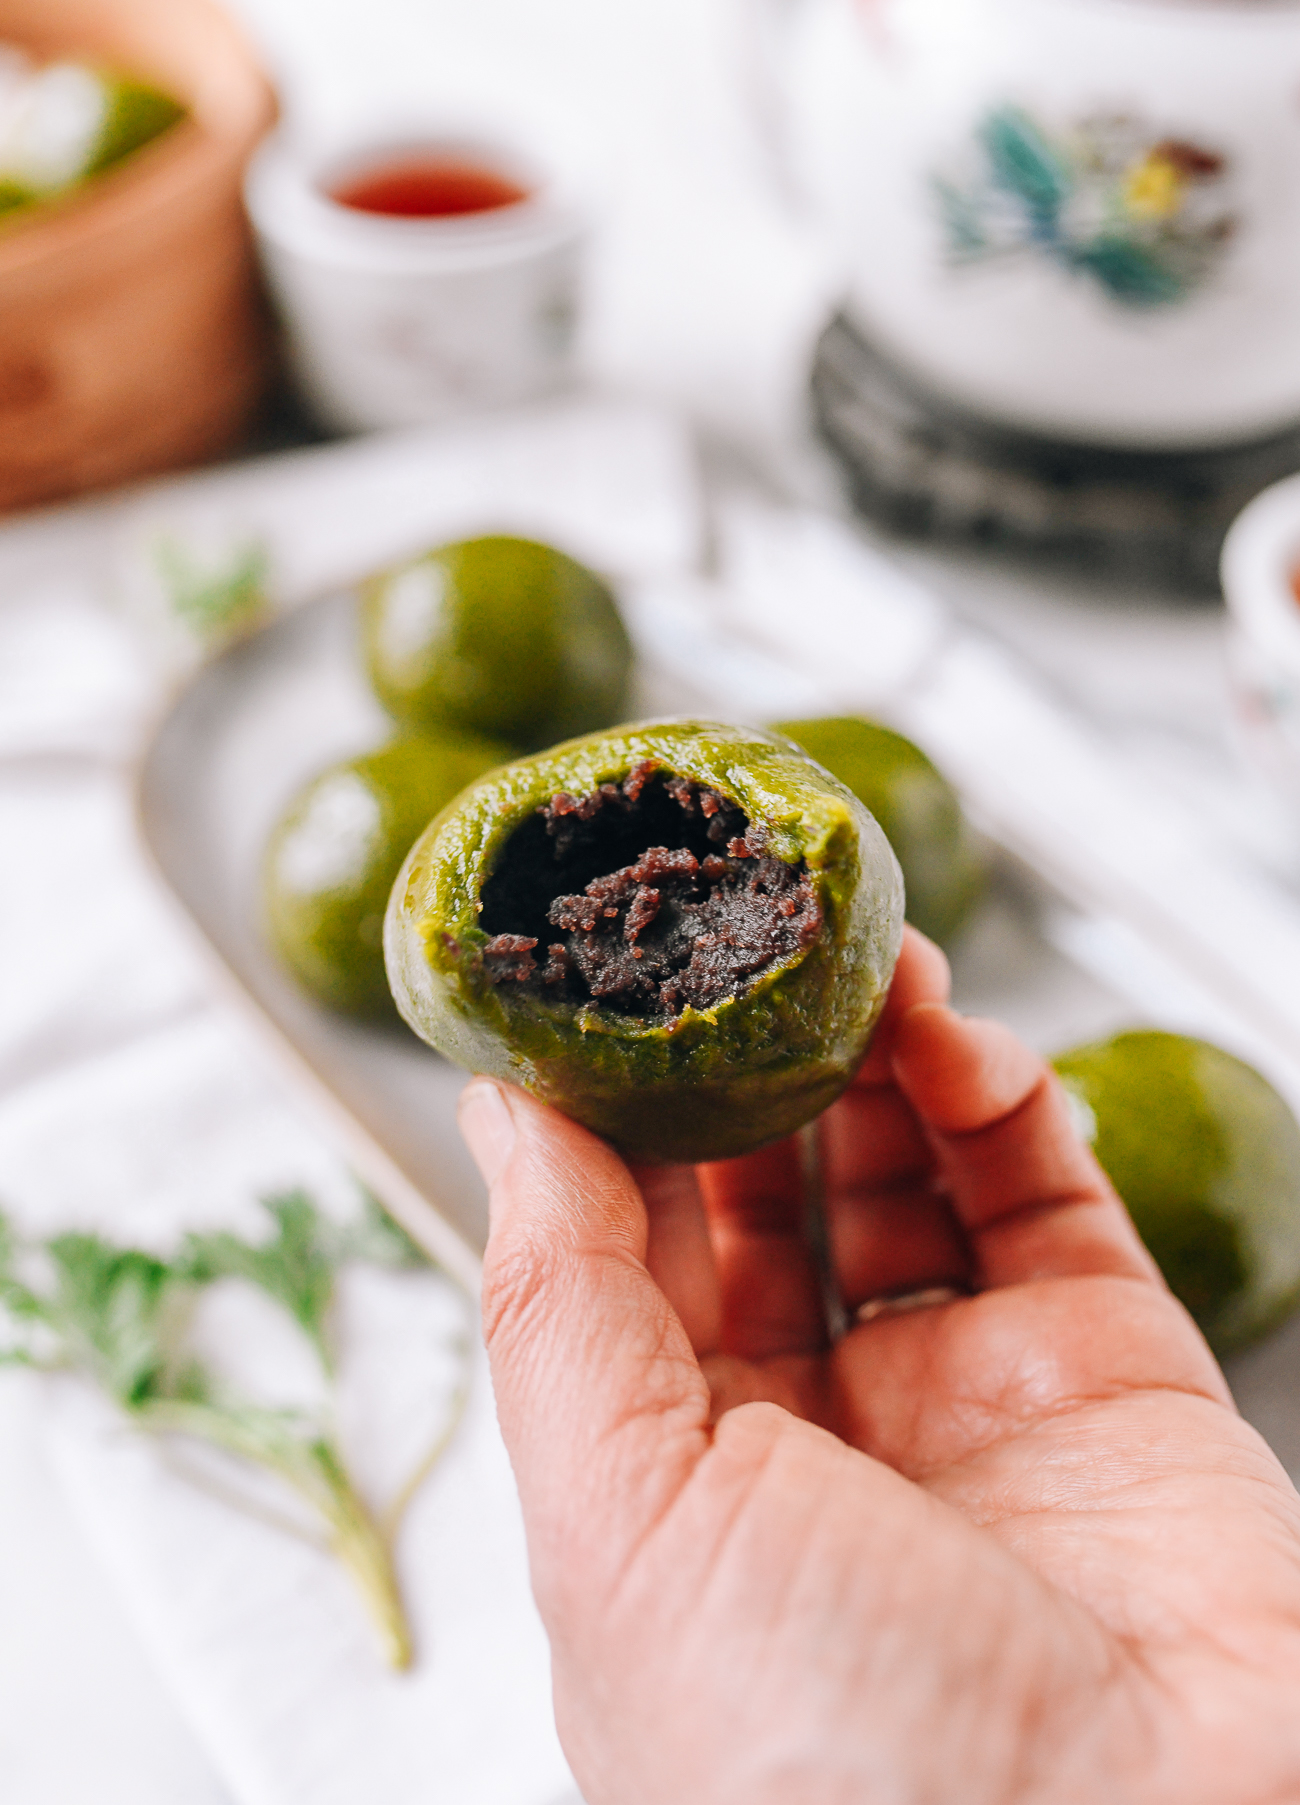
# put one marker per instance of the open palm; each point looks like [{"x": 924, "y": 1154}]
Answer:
[{"x": 1006, "y": 1540}]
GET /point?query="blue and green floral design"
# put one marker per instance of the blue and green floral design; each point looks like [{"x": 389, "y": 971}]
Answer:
[{"x": 1143, "y": 216}]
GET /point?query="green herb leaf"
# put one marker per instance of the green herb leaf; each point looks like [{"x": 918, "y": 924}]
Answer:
[
  {"x": 214, "y": 604},
  {"x": 119, "y": 1313},
  {"x": 17, "y": 1298},
  {"x": 296, "y": 1266},
  {"x": 378, "y": 1240},
  {"x": 108, "y": 1306}
]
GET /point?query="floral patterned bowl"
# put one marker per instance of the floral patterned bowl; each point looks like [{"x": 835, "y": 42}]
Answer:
[{"x": 1076, "y": 217}]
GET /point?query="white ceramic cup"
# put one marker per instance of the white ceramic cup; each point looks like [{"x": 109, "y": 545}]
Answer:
[
  {"x": 397, "y": 321},
  {"x": 1261, "y": 562},
  {"x": 1080, "y": 218}
]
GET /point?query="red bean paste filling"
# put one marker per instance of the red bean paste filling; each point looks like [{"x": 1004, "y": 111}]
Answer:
[{"x": 643, "y": 897}]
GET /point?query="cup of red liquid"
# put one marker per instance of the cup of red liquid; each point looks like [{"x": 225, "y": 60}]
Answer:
[{"x": 420, "y": 276}]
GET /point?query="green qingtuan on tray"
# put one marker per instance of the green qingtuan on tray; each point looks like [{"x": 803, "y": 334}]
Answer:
[
  {"x": 331, "y": 860},
  {"x": 500, "y": 636}
]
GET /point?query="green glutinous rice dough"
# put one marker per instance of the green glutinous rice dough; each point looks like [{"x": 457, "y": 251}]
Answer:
[{"x": 678, "y": 932}]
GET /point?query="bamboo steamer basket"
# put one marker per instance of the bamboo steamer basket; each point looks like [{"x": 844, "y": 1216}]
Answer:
[{"x": 133, "y": 338}]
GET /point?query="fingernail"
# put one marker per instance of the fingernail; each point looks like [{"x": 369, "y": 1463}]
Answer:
[{"x": 488, "y": 1127}]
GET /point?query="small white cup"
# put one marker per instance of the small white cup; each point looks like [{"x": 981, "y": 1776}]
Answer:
[
  {"x": 1261, "y": 556},
  {"x": 398, "y": 321}
]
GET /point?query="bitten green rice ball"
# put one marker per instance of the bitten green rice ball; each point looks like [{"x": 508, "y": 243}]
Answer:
[{"x": 680, "y": 933}]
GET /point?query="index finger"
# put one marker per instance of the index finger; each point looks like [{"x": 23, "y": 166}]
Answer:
[
  {"x": 770, "y": 1286},
  {"x": 871, "y": 1138},
  {"x": 1029, "y": 1194},
  {"x": 920, "y": 976}
]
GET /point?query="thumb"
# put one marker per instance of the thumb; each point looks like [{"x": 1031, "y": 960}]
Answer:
[{"x": 601, "y": 1401}]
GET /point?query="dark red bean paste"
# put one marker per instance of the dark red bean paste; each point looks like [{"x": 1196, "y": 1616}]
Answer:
[{"x": 644, "y": 897}]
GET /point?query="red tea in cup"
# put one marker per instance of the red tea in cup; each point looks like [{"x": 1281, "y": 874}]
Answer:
[{"x": 426, "y": 185}]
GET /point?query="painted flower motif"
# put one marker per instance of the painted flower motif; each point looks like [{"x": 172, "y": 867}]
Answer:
[
  {"x": 1146, "y": 218},
  {"x": 1153, "y": 188}
]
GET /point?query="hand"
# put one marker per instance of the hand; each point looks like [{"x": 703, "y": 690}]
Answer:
[{"x": 1010, "y": 1546}]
